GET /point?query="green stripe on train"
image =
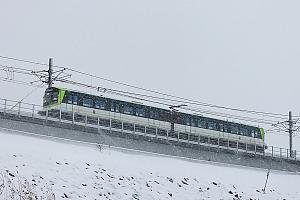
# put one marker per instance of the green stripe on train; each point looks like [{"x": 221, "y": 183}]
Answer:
[
  {"x": 61, "y": 94},
  {"x": 262, "y": 133},
  {"x": 60, "y": 97}
]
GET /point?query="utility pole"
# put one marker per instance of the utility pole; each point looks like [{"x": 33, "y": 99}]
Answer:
[
  {"x": 173, "y": 115},
  {"x": 268, "y": 173},
  {"x": 291, "y": 133},
  {"x": 50, "y": 72},
  {"x": 49, "y": 76},
  {"x": 289, "y": 126}
]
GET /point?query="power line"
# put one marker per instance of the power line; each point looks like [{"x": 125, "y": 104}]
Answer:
[
  {"x": 129, "y": 94},
  {"x": 18, "y": 69},
  {"x": 25, "y": 61},
  {"x": 20, "y": 82},
  {"x": 173, "y": 96},
  {"x": 152, "y": 91},
  {"x": 169, "y": 100},
  {"x": 123, "y": 94}
]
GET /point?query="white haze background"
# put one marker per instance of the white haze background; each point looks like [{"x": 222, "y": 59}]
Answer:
[{"x": 242, "y": 54}]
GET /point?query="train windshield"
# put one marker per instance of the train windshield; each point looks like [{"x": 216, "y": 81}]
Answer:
[{"x": 50, "y": 97}]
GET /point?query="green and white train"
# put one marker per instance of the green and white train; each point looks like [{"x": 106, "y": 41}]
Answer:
[{"x": 175, "y": 125}]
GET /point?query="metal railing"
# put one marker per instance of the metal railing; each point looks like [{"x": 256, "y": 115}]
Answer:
[{"x": 36, "y": 112}]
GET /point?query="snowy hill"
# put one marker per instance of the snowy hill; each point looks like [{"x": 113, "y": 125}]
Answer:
[{"x": 74, "y": 170}]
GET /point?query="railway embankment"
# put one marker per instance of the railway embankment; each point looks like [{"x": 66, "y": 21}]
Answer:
[{"x": 116, "y": 139}]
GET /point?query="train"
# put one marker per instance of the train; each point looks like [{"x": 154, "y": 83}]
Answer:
[{"x": 190, "y": 128}]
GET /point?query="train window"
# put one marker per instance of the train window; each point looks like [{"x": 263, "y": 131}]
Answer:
[
  {"x": 244, "y": 131},
  {"x": 75, "y": 100},
  {"x": 201, "y": 123},
  {"x": 187, "y": 121},
  {"x": 163, "y": 115},
  {"x": 221, "y": 125},
  {"x": 256, "y": 134},
  {"x": 140, "y": 112},
  {"x": 54, "y": 97},
  {"x": 259, "y": 135},
  {"x": 100, "y": 104},
  {"x": 252, "y": 133},
  {"x": 112, "y": 106},
  {"x": 70, "y": 99},
  {"x": 234, "y": 129},
  {"x": 153, "y": 114},
  {"x": 212, "y": 125},
  {"x": 117, "y": 107},
  {"x": 193, "y": 122},
  {"x": 178, "y": 118},
  {"x": 50, "y": 97},
  {"x": 226, "y": 128},
  {"x": 128, "y": 110},
  {"x": 86, "y": 102}
]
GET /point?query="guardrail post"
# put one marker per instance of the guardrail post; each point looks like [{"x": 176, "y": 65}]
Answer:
[
  {"x": 156, "y": 132},
  {"x": 110, "y": 125},
  {"x": 98, "y": 122},
  {"x": 19, "y": 109},
  {"x": 5, "y": 104},
  {"x": 60, "y": 113},
  {"x": 47, "y": 113},
  {"x": 122, "y": 126},
  {"x": 246, "y": 147},
  {"x": 177, "y": 136},
  {"x": 145, "y": 129},
  {"x": 33, "y": 110},
  {"x": 73, "y": 116},
  {"x": 237, "y": 146},
  {"x": 219, "y": 142},
  {"x": 167, "y": 135},
  {"x": 255, "y": 149},
  {"x": 272, "y": 151},
  {"x": 85, "y": 121},
  {"x": 280, "y": 152},
  {"x": 227, "y": 143},
  {"x": 133, "y": 128}
]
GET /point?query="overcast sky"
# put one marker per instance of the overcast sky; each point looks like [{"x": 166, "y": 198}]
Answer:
[{"x": 235, "y": 53}]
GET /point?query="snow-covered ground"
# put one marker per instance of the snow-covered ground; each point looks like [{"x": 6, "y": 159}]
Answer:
[{"x": 73, "y": 170}]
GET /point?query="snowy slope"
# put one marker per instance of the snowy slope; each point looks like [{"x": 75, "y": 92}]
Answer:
[{"x": 74, "y": 170}]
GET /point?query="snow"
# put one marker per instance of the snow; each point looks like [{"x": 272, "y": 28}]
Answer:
[{"x": 76, "y": 170}]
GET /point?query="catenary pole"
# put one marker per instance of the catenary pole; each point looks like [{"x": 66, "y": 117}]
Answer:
[
  {"x": 291, "y": 133},
  {"x": 50, "y": 71}
]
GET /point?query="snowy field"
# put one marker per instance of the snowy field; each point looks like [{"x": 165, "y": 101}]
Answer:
[{"x": 73, "y": 170}]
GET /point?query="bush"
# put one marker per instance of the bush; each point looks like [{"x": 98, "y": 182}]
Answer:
[{"x": 14, "y": 187}]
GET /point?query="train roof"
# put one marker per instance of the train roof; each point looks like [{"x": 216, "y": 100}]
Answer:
[{"x": 152, "y": 107}]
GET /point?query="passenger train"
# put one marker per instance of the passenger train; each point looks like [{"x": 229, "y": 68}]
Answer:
[{"x": 186, "y": 127}]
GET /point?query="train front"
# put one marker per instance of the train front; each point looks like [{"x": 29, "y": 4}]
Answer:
[{"x": 52, "y": 99}]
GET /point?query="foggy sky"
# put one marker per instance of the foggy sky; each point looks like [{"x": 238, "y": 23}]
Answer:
[{"x": 242, "y": 54}]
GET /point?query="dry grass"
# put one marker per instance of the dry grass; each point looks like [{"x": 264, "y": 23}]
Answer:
[{"x": 14, "y": 187}]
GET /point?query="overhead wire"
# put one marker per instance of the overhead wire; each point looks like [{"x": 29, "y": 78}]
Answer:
[
  {"x": 172, "y": 101},
  {"x": 121, "y": 93},
  {"x": 155, "y": 92},
  {"x": 263, "y": 121},
  {"x": 27, "y": 95},
  {"x": 173, "y": 96},
  {"x": 22, "y": 60},
  {"x": 20, "y": 82}
]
